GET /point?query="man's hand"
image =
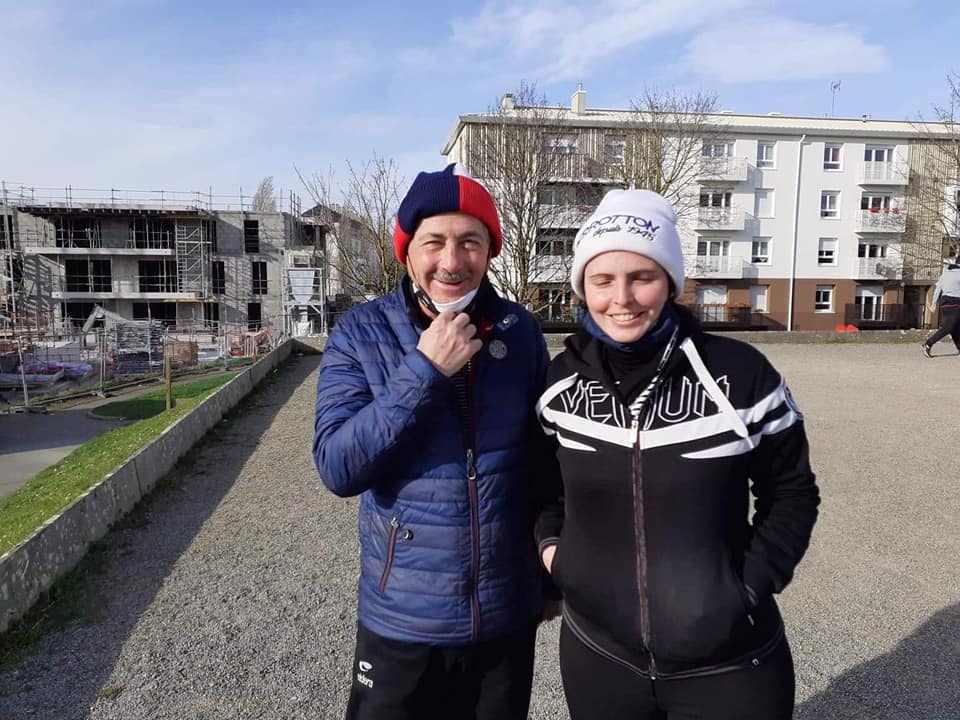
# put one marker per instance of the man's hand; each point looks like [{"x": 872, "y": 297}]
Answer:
[
  {"x": 449, "y": 342},
  {"x": 546, "y": 557}
]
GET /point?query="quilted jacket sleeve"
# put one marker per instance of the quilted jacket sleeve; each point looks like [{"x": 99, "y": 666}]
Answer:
[{"x": 353, "y": 428}]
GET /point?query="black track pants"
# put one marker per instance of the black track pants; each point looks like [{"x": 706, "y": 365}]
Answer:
[
  {"x": 599, "y": 689},
  {"x": 949, "y": 325},
  {"x": 394, "y": 680}
]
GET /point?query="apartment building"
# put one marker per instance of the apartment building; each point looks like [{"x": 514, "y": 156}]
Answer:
[
  {"x": 787, "y": 222},
  {"x": 185, "y": 259}
]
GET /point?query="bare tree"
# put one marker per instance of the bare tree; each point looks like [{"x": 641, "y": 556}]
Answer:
[
  {"x": 359, "y": 227},
  {"x": 933, "y": 222},
  {"x": 526, "y": 155},
  {"x": 263, "y": 198},
  {"x": 665, "y": 143}
]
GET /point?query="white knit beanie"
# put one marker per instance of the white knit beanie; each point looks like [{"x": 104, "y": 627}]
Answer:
[{"x": 639, "y": 221}]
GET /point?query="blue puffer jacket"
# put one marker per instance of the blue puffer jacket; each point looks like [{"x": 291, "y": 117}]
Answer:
[{"x": 444, "y": 560}]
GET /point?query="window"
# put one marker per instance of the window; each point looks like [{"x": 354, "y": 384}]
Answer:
[
  {"x": 258, "y": 269},
  {"x": 878, "y": 154},
  {"x": 77, "y": 232},
  {"x": 212, "y": 235},
  {"x": 758, "y": 298},
  {"x": 765, "y": 155},
  {"x": 559, "y": 244},
  {"x": 829, "y": 204},
  {"x": 6, "y": 230},
  {"x": 713, "y": 248},
  {"x": 869, "y": 302},
  {"x": 760, "y": 251},
  {"x": 151, "y": 233},
  {"x": 560, "y": 144},
  {"x": 88, "y": 276},
  {"x": 165, "y": 312},
  {"x": 218, "y": 278},
  {"x": 827, "y": 251},
  {"x": 254, "y": 318},
  {"x": 555, "y": 195},
  {"x": 763, "y": 203},
  {"x": 614, "y": 149},
  {"x": 823, "y": 299},
  {"x": 831, "y": 156},
  {"x": 715, "y": 198},
  {"x": 251, "y": 236},
  {"x": 76, "y": 313},
  {"x": 871, "y": 250},
  {"x": 554, "y": 303},
  {"x": 875, "y": 203},
  {"x": 717, "y": 148},
  {"x": 211, "y": 314},
  {"x": 157, "y": 276}
]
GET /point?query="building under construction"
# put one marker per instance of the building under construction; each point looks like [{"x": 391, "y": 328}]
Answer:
[{"x": 187, "y": 260}]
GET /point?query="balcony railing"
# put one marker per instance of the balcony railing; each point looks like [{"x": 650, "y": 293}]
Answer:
[
  {"x": 731, "y": 169},
  {"x": 879, "y": 316},
  {"x": 717, "y": 218},
  {"x": 731, "y": 317},
  {"x": 877, "y": 268},
  {"x": 717, "y": 266},
  {"x": 570, "y": 166},
  {"x": 883, "y": 173},
  {"x": 882, "y": 220}
]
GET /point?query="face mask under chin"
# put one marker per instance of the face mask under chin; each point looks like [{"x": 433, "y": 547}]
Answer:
[{"x": 457, "y": 305}]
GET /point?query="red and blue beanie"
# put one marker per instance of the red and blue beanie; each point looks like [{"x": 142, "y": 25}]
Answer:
[{"x": 446, "y": 191}]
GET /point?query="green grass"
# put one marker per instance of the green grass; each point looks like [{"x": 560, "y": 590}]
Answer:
[
  {"x": 54, "y": 488},
  {"x": 153, "y": 403}
]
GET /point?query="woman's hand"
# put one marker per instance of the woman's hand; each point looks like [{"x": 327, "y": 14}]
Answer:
[{"x": 546, "y": 557}]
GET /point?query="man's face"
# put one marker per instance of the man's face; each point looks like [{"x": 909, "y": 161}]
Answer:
[{"x": 448, "y": 255}]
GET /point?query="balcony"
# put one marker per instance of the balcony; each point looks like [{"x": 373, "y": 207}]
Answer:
[
  {"x": 717, "y": 266},
  {"x": 877, "y": 268},
  {"x": 881, "y": 220},
  {"x": 884, "y": 173},
  {"x": 878, "y": 316},
  {"x": 563, "y": 216},
  {"x": 722, "y": 169},
  {"x": 731, "y": 317},
  {"x": 717, "y": 218},
  {"x": 570, "y": 166}
]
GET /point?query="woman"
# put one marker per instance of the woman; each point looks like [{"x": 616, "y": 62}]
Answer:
[{"x": 662, "y": 432}]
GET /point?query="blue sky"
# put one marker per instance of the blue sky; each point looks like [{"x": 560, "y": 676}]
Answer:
[{"x": 147, "y": 94}]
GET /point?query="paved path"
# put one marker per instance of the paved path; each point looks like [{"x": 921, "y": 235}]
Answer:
[{"x": 231, "y": 594}]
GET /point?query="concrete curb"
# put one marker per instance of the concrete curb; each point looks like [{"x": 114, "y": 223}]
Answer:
[{"x": 30, "y": 568}]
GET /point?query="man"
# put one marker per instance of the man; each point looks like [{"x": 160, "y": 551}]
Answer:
[
  {"x": 948, "y": 292},
  {"x": 425, "y": 404}
]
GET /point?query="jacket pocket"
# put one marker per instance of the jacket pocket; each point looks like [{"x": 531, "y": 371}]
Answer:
[{"x": 391, "y": 546}]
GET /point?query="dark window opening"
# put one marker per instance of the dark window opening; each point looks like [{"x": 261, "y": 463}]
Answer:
[
  {"x": 218, "y": 278},
  {"x": 211, "y": 314},
  {"x": 76, "y": 313},
  {"x": 157, "y": 276},
  {"x": 212, "y": 235},
  {"x": 251, "y": 236},
  {"x": 253, "y": 316},
  {"x": 6, "y": 231},
  {"x": 259, "y": 273},
  {"x": 77, "y": 232},
  {"x": 162, "y": 311},
  {"x": 151, "y": 234}
]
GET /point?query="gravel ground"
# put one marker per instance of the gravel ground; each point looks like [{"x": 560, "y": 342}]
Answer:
[{"x": 233, "y": 595}]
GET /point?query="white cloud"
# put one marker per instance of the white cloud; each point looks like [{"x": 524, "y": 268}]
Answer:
[
  {"x": 569, "y": 41},
  {"x": 768, "y": 48}
]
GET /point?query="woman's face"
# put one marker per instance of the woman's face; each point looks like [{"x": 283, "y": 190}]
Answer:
[{"x": 625, "y": 293}]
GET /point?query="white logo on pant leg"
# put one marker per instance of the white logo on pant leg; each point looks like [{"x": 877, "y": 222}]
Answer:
[{"x": 365, "y": 667}]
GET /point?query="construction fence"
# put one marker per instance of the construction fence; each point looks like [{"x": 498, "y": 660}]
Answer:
[{"x": 39, "y": 366}]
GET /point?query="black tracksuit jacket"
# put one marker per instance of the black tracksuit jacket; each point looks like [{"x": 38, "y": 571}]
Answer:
[{"x": 655, "y": 546}]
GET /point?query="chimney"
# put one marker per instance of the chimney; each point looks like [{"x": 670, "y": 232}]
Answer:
[
  {"x": 506, "y": 102},
  {"x": 578, "y": 101}
]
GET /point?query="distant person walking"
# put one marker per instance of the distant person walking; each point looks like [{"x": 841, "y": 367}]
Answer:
[{"x": 948, "y": 292}]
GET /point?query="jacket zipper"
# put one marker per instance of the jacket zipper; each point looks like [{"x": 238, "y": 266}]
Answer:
[
  {"x": 471, "y": 469},
  {"x": 640, "y": 533},
  {"x": 391, "y": 544}
]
